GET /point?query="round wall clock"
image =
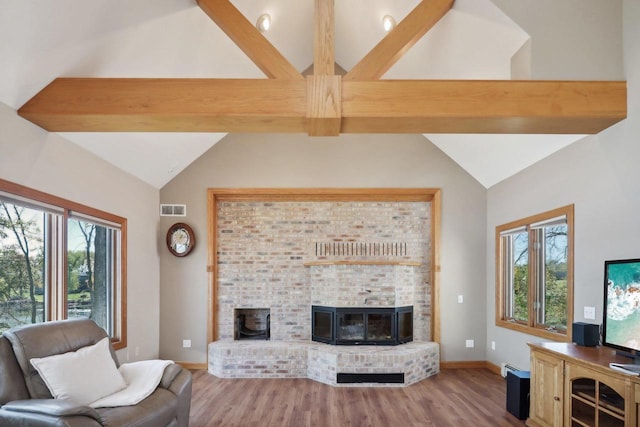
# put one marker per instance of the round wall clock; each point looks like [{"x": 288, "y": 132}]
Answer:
[{"x": 180, "y": 239}]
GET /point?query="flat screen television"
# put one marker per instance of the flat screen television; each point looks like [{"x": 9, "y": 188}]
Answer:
[{"x": 621, "y": 314}]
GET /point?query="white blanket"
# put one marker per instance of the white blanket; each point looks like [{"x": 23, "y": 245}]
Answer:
[{"x": 142, "y": 379}]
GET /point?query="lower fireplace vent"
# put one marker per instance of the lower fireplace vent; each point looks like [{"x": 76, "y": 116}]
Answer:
[{"x": 392, "y": 378}]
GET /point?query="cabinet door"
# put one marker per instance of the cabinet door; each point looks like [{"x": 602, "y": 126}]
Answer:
[
  {"x": 595, "y": 399},
  {"x": 547, "y": 373}
]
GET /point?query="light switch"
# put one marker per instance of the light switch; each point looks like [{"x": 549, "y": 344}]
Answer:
[{"x": 590, "y": 313}]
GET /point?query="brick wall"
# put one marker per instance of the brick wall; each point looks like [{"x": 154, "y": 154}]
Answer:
[
  {"x": 263, "y": 246},
  {"x": 363, "y": 285}
]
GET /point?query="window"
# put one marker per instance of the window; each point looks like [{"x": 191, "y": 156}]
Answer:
[
  {"x": 59, "y": 260},
  {"x": 534, "y": 274}
]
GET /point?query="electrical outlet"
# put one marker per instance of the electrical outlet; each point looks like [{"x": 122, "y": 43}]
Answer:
[
  {"x": 186, "y": 343},
  {"x": 493, "y": 345},
  {"x": 460, "y": 299},
  {"x": 590, "y": 313},
  {"x": 469, "y": 344}
]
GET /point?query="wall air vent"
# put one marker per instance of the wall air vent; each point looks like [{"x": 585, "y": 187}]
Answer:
[{"x": 173, "y": 210}]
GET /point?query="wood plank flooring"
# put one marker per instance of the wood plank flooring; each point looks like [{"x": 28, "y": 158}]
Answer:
[{"x": 453, "y": 398}]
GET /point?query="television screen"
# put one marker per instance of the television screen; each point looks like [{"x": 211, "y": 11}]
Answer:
[{"x": 621, "y": 320}]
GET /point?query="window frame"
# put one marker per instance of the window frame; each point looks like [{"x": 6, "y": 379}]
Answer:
[
  {"x": 530, "y": 326},
  {"x": 56, "y": 235}
]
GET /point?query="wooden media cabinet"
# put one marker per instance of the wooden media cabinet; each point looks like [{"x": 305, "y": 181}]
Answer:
[{"x": 573, "y": 386}]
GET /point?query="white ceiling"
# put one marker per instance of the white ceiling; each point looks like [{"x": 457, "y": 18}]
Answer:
[{"x": 42, "y": 40}]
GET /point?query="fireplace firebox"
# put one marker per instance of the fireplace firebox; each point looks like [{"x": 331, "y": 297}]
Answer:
[
  {"x": 362, "y": 325},
  {"x": 252, "y": 323}
]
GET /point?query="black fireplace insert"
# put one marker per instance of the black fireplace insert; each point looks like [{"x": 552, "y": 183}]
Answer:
[{"x": 362, "y": 325}]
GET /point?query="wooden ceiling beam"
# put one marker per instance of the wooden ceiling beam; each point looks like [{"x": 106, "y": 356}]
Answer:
[
  {"x": 475, "y": 106},
  {"x": 274, "y": 105},
  {"x": 324, "y": 89},
  {"x": 169, "y": 105},
  {"x": 247, "y": 37},
  {"x": 391, "y": 48},
  {"x": 324, "y": 38},
  {"x": 324, "y": 105}
]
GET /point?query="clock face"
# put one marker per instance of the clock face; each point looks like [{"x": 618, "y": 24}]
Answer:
[{"x": 180, "y": 239}]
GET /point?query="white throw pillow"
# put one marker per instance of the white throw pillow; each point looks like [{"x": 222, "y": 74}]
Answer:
[{"x": 83, "y": 376}]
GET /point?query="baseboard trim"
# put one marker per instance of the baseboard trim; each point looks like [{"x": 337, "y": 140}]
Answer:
[
  {"x": 466, "y": 364},
  {"x": 193, "y": 366},
  {"x": 471, "y": 364},
  {"x": 494, "y": 368}
]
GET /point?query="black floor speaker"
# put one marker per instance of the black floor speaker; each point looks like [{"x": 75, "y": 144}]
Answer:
[{"x": 518, "y": 384}]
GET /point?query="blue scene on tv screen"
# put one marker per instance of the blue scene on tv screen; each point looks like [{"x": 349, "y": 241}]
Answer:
[{"x": 622, "y": 304}]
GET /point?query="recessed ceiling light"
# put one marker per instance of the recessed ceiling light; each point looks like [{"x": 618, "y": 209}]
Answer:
[
  {"x": 264, "y": 22},
  {"x": 388, "y": 23}
]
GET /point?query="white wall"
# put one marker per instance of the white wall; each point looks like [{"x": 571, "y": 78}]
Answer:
[
  {"x": 600, "y": 175},
  {"x": 44, "y": 161},
  {"x": 570, "y": 39},
  {"x": 242, "y": 160}
]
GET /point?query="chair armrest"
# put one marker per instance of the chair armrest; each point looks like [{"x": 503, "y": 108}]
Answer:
[
  {"x": 50, "y": 411},
  {"x": 180, "y": 385},
  {"x": 170, "y": 373}
]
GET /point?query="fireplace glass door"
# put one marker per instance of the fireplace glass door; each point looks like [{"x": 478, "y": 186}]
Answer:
[
  {"x": 323, "y": 325},
  {"x": 350, "y": 327},
  {"x": 379, "y": 326},
  {"x": 405, "y": 325}
]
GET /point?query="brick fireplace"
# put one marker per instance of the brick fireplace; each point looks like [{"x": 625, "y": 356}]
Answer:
[{"x": 286, "y": 256}]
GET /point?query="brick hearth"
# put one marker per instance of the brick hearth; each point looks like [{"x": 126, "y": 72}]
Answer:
[{"x": 322, "y": 362}]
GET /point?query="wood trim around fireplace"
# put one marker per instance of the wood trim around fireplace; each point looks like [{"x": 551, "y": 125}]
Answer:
[{"x": 215, "y": 195}]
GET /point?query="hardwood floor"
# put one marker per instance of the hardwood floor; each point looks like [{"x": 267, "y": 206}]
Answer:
[{"x": 453, "y": 398}]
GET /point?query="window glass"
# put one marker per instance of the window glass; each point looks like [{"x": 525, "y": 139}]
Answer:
[
  {"x": 22, "y": 265},
  {"x": 92, "y": 271},
  {"x": 517, "y": 275},
  {"x": 553, "y": 294}
]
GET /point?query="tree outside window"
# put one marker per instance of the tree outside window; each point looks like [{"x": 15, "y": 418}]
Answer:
[{"x": 21, "y": 266}]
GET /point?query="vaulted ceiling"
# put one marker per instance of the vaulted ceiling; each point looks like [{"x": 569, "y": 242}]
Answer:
[{"x": 196, "y": 99}]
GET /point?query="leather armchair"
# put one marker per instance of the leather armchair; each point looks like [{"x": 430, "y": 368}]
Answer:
[{"x": 26, "y": 401}]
